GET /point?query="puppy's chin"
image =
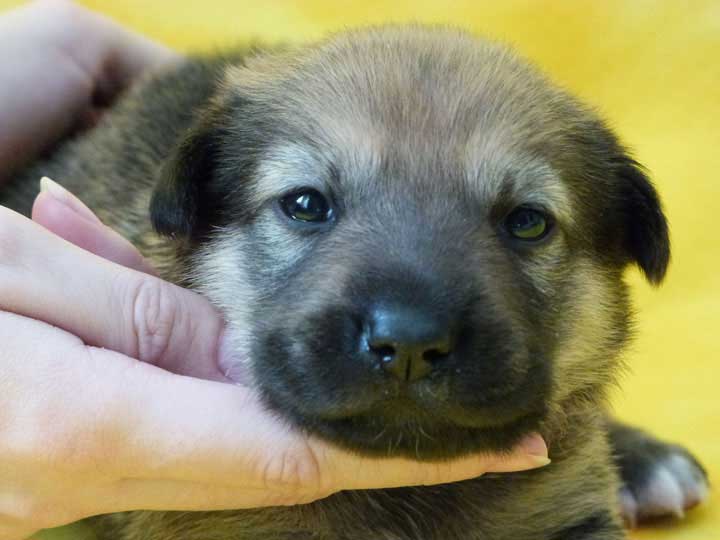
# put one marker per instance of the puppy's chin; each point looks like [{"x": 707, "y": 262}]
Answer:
[
  {"x": 401, "y": 427},
  {"x": 421, "y": 439}
]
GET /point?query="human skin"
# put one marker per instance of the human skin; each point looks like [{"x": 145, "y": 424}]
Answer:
[{"x": 120, "y": 404}]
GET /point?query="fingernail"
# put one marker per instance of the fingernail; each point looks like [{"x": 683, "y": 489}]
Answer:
[
  {"x": 64, "y": 197},
  {"x": 53, "y": 188},
  {"x": 540, "y": 461},
  {"x": 535, "y": 448}
]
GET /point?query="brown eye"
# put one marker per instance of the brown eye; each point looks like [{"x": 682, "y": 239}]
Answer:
[
  {"x": 308, "y": 205},
  {"x": 527, "y": 224}
]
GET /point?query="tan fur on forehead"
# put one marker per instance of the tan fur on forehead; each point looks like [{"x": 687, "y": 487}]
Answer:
[
  {"x": 522, "y": 178},
  {"x": 432, "y": 101},
  {"x": 288, "y": 166}
]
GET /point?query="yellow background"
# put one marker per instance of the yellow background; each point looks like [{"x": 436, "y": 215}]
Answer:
[{"x": 653, "y": 69}]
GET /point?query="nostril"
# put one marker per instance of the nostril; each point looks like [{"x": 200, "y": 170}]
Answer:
[{"x": 406, "y": 342}]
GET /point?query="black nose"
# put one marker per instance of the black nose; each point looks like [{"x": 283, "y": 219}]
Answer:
[{"x": 407, "y": 341}]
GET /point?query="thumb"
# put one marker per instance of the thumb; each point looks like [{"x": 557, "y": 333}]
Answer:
[
  {"x": 343, "y": 470},
  {"x": 62, "y": 213},
  {"x": 114, "y": 307}
]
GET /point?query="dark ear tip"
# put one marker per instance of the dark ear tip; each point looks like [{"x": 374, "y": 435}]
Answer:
[
  {"x": 648, "y": 241},
  {"x": 176, "y": 200},
  {"x": 172, "y": 208},
  {"x": 652, "y": 240},
  {"x": 655, "y": 269},
  {"x": 168, "y": 217}
]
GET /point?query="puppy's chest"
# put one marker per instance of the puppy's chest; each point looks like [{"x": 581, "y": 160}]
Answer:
[
  {"x": 432, "y": 513},
  {"x": 490, "y": 508},
  {"x": 474, "y": 510}
]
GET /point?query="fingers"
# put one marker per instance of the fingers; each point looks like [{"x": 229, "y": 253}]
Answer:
[
  {"x": 62, "y": 213},
  {"x": 60, "y": 62},
  {"x": 132, "y": 494},
  {"x": 128, "y": 53},
  {"x": 93, "y": 415},
  {"x": 42, "y": 92},
  {"x": 197, "y": 431},
  {"x": 100, "y": 425},
  {"x": 68, "y": 200},
  {"x": 104, "y": 304},
  {"x": 372, "y": 473},
  {"x": 285, "y": 467},
  {"x": 116, "y": 55}
]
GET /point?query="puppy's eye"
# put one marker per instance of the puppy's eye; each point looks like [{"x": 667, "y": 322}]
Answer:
[
  {"x": 527, "y": 223},
  {"x": 307, "y": 205}
]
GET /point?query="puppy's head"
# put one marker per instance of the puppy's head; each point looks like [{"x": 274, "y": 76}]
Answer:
[{"x": 421, "y": 238}]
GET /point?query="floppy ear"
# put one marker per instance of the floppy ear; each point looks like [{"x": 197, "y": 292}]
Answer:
[
  {"x": 646, "y": 238},
  {"x": 178, "y": 205}
]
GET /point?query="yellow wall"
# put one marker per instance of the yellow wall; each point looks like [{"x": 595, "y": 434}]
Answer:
[{"x": 653, "y": 69}]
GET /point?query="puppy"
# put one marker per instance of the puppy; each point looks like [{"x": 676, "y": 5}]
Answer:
[{"x": 420, "y": 242}]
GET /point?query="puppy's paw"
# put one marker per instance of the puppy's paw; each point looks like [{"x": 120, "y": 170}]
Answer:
[{"x": 659, "y": 479}]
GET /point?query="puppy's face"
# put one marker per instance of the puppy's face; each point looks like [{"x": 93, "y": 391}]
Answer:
[{"x": 420, "y": 239}]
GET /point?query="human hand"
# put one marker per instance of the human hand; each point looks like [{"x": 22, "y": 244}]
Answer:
[
  {"x": 98, "y": 413},
  {"x": 60, "y": 65}
]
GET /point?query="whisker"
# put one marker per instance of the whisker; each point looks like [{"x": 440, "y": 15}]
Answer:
[
  {"x": 379, "y": 435},
  {"x": 425, "y": 434}
]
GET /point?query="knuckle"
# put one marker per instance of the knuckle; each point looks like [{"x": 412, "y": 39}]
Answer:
[
  {"x": 153, "y": 319},
  {"x": 295, "y": 474}
]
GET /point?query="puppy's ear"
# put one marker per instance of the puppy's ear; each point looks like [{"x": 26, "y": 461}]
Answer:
[
  {"x": 178, "y": 205},
  {"x": 646, "y": 238}
]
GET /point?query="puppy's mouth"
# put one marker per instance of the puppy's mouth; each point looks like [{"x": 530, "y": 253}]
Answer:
[{"x": 484, "y": 396}]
